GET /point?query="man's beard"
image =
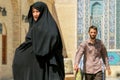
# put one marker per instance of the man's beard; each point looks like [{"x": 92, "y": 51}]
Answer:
[{"x": 92, "y": 37}]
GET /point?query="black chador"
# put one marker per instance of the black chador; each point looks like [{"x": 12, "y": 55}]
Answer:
[{"x": 40, "y": 56}]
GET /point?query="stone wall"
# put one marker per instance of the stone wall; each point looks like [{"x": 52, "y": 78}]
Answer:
[
  {"x": 7, "y": 25},
  {"x": 67, "y": 16}
]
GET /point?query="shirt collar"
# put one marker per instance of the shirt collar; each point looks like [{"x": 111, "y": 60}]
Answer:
[{"x": 90, "y": 41}]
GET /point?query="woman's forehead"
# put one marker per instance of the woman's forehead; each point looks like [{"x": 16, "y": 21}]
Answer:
[{"x": 34, "y": 9}]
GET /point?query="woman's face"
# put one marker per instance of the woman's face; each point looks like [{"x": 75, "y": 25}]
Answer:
[{"x": 35, "y": 14}]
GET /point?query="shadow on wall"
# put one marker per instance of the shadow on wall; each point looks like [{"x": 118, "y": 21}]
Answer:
[
  {"x": 118, "y": 74},
  {"x": 54, "y": 13}
]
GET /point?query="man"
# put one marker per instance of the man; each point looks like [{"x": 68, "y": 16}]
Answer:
[{"x": 94, "y": 55}]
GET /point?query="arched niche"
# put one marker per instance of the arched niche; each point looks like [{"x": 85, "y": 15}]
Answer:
[
  {"x": 3, "y": 37},
  {"x": 97, "y": 17}
]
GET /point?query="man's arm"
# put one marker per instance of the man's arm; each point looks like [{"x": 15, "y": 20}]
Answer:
[
  {"x": 78, "y": 56},
  {"x": 105, "y": 59}
]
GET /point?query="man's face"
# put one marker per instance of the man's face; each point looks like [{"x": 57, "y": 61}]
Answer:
[
  {"x": 92, "y": 33},
  {"x": 35, "y": 14}
]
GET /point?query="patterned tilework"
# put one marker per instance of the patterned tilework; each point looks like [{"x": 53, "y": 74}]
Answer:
[
  {"x": 117, "y": 24},
  {"x": 112, "y": 24},
  {"x": 105, "y": 15},
  {"x": 80, "y": 23}
]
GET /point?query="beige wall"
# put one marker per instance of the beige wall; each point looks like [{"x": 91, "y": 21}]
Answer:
[
  {"x": 67, "y": 16},
  {"x": 7, "y": 28}
]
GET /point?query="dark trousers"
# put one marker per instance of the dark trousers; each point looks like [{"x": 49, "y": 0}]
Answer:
[{"x": 97, "y": 76}]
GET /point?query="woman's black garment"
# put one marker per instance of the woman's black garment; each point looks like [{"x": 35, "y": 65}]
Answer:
[{"x": 40, "y": 56}]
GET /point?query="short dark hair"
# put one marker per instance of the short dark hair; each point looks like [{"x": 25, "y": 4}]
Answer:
[{"x": 92, "y": 27}]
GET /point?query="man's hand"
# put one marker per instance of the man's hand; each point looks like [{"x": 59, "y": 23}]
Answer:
[
  {"x": 109, "y": 71},
  {"x": 76, "y": 67}
]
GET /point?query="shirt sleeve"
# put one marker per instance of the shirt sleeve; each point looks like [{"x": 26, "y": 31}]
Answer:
[
  {"x": 105, "y": 56},
  {"x": 79, "y": 53}
]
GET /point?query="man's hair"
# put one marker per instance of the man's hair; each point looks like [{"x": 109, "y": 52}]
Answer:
[{"x": 92, "y": 27}]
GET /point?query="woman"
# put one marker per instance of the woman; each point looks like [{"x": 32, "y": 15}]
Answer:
[{"x": 40, "y": 56}]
